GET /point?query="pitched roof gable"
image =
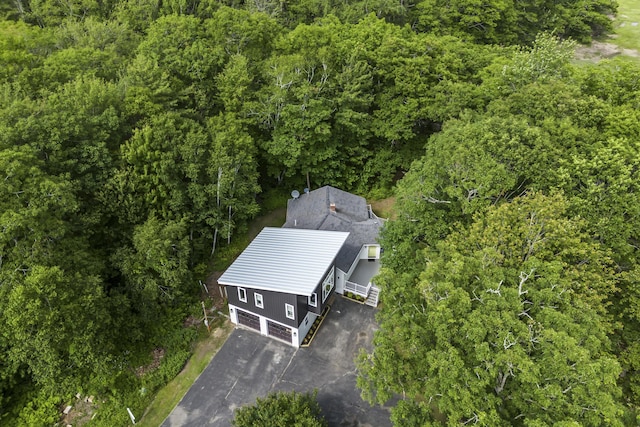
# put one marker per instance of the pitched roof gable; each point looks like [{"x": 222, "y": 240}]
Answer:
[
  {"x": 352, "y": 214},
  {"x": 310, "y": 210}
]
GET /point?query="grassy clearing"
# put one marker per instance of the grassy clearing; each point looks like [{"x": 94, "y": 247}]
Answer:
[
  {"x": 384, "y": 208},
  {"x": 623, "y": 45},
  {"x": 169, "y": 396},
  {"x": 627, "y": 25}
]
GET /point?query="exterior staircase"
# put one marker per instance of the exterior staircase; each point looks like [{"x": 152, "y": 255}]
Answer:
[{"x": 372, "y": 299}]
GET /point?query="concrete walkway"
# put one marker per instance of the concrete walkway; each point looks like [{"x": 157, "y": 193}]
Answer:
[{"x": 249, "y": 366}]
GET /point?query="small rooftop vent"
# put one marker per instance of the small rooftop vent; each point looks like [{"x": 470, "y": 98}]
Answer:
[
  {"x": 295, "y": 194},
  {"x": 306, "y": 190}
]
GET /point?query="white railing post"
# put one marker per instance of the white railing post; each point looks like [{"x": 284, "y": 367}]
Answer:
[{"x": 358, "y": 288}]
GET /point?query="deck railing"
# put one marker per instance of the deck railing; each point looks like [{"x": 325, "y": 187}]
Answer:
[
  {"x": 357, "y": 289},
  {"x": 372, "y": 214}
]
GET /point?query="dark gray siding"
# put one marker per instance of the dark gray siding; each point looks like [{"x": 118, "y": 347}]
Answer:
[
  {"x": 318, "y": 309},
  {"x": 302, "y": 307},
  {"x": 318, "y": 292},
  {"x": 274, "y": 305}
]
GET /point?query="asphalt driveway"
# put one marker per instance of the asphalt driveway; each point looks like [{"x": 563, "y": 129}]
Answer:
[{"x": 249, "y": 366}]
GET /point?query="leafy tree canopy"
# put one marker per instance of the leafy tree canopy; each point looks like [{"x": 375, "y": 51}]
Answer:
[
  {"x": 282, "y": 409},
  {"x": 135, "y": 136},
  {"x": 515, "y": 21},
  {"x": 508, "y": 325}
]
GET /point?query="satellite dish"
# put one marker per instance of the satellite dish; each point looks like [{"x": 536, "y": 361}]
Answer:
[{"x": 295, "y": 194}]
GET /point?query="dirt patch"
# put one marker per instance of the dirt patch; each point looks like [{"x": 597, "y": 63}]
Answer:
[
  {"x": 214, "y": 293},
  {"x": 212, "y": 283},
  {"x": 157, "y": 355},
  {"x": 220, "y": 332},
  {"x": 191, "y": 321},
  {"x": 602, "y": 50},
  {"x": 274, "y": 218},
  {"x": 82, "y": 411}
]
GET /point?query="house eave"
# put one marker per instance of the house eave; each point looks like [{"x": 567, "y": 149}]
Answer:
[{"x": 267, "y": 288}]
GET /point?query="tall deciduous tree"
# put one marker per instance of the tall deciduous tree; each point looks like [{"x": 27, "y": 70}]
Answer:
[
  {"x": 22, "y": 47},
  {"x": 548, "y": 59},
  {"x": 77, "y": 130},
  {"x": 53, "y": 310},
  {"x": 157, "y": 267},
  {"x": 53, "y": 13},
  {"x": 280, "y": 409},
  {"x": 174, "y": 67},
  {"x": 175, "y": 168},
  {"x": 489, "y": 22},
  {"x": 34, "y": 207},
  {"x": 359, "y": 96},
  {"x": 473, "y": 163},
  {"x": 56, "y": 322},
  {"x": 514, "y": 22},
  {"x": 32, "y": 211},
  {"x": 152, "y": 168},
  {"x": 509, "y": 326},
  {"x": 224, "y": 197}
]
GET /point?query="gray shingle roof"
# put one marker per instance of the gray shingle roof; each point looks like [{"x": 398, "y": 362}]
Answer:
[
  {"x": 286, "y": 260},
  {"x": 352, "y": 214}
]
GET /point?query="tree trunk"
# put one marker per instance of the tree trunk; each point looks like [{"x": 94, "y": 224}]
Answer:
[
  {"x": 215, "y": 239},
  {"x": 218, "y": 191},
  {"x": 229, "y": 228}
]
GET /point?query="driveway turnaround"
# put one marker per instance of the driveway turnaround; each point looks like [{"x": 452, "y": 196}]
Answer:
[{"x": 249, "y": 366}]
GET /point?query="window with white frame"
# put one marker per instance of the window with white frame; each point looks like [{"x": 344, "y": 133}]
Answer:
[
  {"x": 291, "y": 314},
  {"x": 313, "y": 300},
  {"x": 258, "y": 299},
  {"x": 242, "y": 294},
  {"x": 327, "y": 285}
]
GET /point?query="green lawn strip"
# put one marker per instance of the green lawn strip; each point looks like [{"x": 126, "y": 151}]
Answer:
[
  {"x": 628, "y": 34},
  {"x": 169, "y": 396}
]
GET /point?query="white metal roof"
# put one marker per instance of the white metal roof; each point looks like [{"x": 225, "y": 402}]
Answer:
[{"x": 289, "y": 260}]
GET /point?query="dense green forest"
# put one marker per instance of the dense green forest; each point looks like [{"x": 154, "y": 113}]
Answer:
[{"x": 138, "y": 137}]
